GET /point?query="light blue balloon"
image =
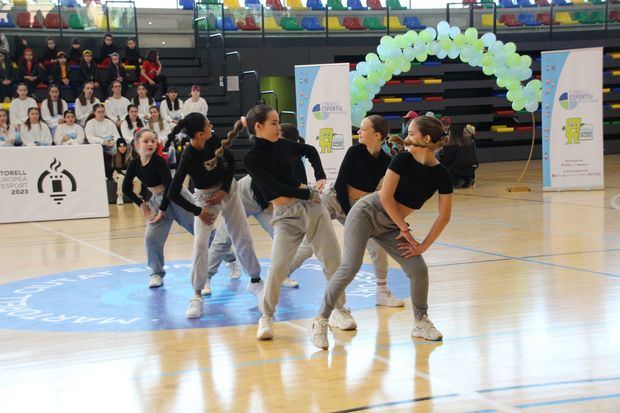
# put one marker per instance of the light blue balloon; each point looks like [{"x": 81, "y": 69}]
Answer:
[
  {"x": 443, "y": 28},
  {"x": 352, "y": 75},
  {"x": 496, "y": 47},
  {"x": 525, "y": 74},
  {"x": 366, "y": 105},
  {"x": 362, "y": 68},
  {"x": 373, "y": 88},
  {"x": 374, "y": 66},
  {"x": 419, "y": 48},
  {"x": 432, "y": 31},
  {"x": 409, "y": 53},
  {"x": 531, "y": 106},
  {"x": 453, "y": 53},
  {"x": 442, "y": 54},
  {"x": 383, "y": 51},
  {"x": 488, "y": 39},
  {"x": 454, "y": 31}
]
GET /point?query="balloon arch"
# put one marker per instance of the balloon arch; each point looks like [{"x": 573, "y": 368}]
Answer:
[{"x": 395, "y": 55}]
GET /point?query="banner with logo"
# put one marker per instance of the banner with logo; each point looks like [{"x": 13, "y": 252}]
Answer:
[
  {"x": 572, "y": 119},
  {"x": 52, "y": 182},
  {"x": 324, "y": 113}
]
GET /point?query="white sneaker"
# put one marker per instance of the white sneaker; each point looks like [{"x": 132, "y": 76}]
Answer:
[
  {"x": 341, "y": 318},
  {"x": 255, "y": 288},
  {"x": 318, "y": 333},
  {"x": 194, "y": 310},
  {"x": 156, "y": 281},
  {"x": 425, "y": 329},
  {"x": 234, "y": 269},
  {"x": 265, "y": 328},
  {"x": 119, "y": 201},
  {"x": 290, "y": 283},
  {"x": 385, "y": 298},
  {"x": 207, "y": 288}
]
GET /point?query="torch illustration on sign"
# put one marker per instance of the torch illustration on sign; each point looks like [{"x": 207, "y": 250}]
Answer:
[{"x": 56, "y": 182}]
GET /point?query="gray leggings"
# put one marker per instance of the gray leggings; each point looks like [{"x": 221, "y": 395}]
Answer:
[{"x": 367, "y": 219}]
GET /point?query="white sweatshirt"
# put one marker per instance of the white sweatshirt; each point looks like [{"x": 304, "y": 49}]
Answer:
[
  {"x": 162, "y": 134},
  {"x": 7, "y": 134},
  {"x": 52, "y": 121},
  {"x": 168, "y": 114},
  {"x": 126, "y": 132},
  {"x": 18, "y": 113},
  {"x": 38, "y": 135},
  {"x": 143, "y": 108},
  {"x": 199, "y": 106},
  {"x": 83, "y": 112},
  {"x": 75, "y": 133},
  {"x": 101, "y": 131},
  {"x": 116, "y": 109}
]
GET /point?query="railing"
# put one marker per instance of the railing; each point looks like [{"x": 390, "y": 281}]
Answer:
[{"x": 275, "y": 96}]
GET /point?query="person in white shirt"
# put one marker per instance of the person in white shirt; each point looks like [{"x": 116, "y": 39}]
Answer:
[
  {"x": 101, "y": 130},
  {"x": 143, "y": 101},
  {"x": 69, "y": 132},
  {"x": 35, "y": 132},
  {"x": 156, "y": 124},
  {"x": 7, "y": 131},
  {"x": 52, "y": 108},
  {"x": 18, "y": 113},
  {"x": 116, "y": 105},
  {"x": 195, "y": 103},
  {"x": 85, "y": 102},
  {"x": 171, "y": 108},
  {"x": 131, "y": 123}
]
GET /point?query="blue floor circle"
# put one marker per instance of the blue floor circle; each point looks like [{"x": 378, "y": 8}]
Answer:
[{"x": 117, "y": 298}]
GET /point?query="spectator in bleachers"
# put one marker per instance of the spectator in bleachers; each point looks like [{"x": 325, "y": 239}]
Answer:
[
  {"x": 119, "y": 167},
  {"x": 411, "y": 115},
  {"x": 459, "y": 156},
  {"x": 132, "y": 54},
  {"x": 69, "y": 132},
  {"x": 75, "y": 53},
  {"x": 101, "y": 130},
  {"x": 172, "y": 107},
  {"x": 116, "y": 105},
  {"x": 29, "y": 71},
  {"x": 446, "y": 122},
  {"x": 158, "y": 125},
  {"x": 35, "y": 132},
  {"x": 18, "y": 113},
  {"x": 7, "y": 77},
  {"x": 131, "y": 123},
  {"x": 7, "y": 131},
  {"x": 4, "y": 45},
  {"x": 469, "y": 132},
  {"x": 150, "y": 73},
  {"x": 50, "y": 54},
  {"x": 106, "y": 49},
  {"x": 195, "y": 103},
  {"x": 85, "y": 103},
  {"x": 52, "y": 108},
  {"x": 143, "y": 101},
  {"x": 88, "y": 70},
  {"x": 21, "y": 44},
  {"x": 116, "y": 71},
  {"x": 60, "y": 70}
]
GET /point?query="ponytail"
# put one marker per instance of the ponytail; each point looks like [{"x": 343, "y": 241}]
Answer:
[{"x": 224, "y": 144}]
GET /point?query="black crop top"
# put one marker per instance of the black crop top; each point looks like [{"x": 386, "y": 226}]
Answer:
[
  {"x": 269, "y": 165},
  {"x": 193, "y": 164},
  {"x": 362, "y": 171},
  {"x": 418, "y": 182},
  {"x": 154, "y": 173}
]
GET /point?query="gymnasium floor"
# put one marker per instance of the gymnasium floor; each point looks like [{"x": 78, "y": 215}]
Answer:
[{"x": 524, "y": 286}]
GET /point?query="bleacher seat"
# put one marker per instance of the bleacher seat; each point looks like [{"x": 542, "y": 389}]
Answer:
[
  {"x": 468, "y": 2},
  {"x": 507, "y": 4},
  {"x": 579, "y": 2},
  {"x": 23, "y": 20},
  {"x": 76, "y": 22},
  {"x": 395, "y": 23},
  {"x": 562, "y": 3},
  {"x": 295, "y": 5},
  {"x": 52, "y": 21},
  {"x": 614, "y": 16},
  {"x": 271, "y": 25},
  {"x": 333, "y": 24},
  {"x": 335, "y": 5},
  {"x": 542, "y": 3},
  {"x": 395, "y": 5},
  {"x": 311, "y": 23},
  {"x": 564, "y": 18},
  {"x": 487, "y": 21},
  {"x": 589, "y": 18},
  {"x": 8, "y": 22},
  {"x": 528, "y": 20},
  {"x": 355, "y": 5},
  {"x": 229, "y": 24},
  {"x": 525, "y": 3},
  {"x": 372, "y": 23},
  {"x": 544, "y": 18},
  {"x": 275, "y": 5},
  {"x": 374, "y": 5},
  {"x": 510, "y": 20},
  {"x": 413, "y": 23},
  {"x": 248, "y": 24},
  {"x": 252, "y": 3},
  {"x": 290, "y": 24},
  {"x": 353, "y": 23},
  {"x": 37, "y": 20},
  {"x": 185, "y": 4},
  {"x": 315, "y": 5},
  {"x": 232, "y": 4}
]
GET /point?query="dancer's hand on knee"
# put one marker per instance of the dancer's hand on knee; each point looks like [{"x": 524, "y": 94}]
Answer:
[
  {"x": 320, "y": 185},
  {"x": 217, "y": 197},
  {"x": 157, "y": 217},
  {"x": 146, "y": 210},
  {"x": 407, "y": 236},
  {"x": 206, "y": 216},
  {"x": 408, "y": 251}
]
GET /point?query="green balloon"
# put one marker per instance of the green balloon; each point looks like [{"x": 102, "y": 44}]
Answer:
[
  {"x": 460, "y": 40},
  {"x": 513, "y": 60},
  {"x": 422, "y": 57},
  {"x": 373, "y": 77},
  {"x": 401, "y": 41},
  {"x": 510, "y": 48},
  {"x": 511, "y": 85},
  {"x": 426, "y": 36},
  {"x": 445, "y": 44},
  {"x": 478, "y": 45},
  {"x": 487, "y": 60},
  {"x": 488, "y": 70},
  {"x": 501, "y": 82},
  {"x": 411, "y": 36},
  {"x": 517, "y": 106},
  {"x": 534, "y": 84},
  {"x": 387, "y": 40},
  {"x": 359, "y": 81},
  {"x": 405, "y": 66},
  {"x": 526, "y": 61},
  {"x": 471, "y": 33}
]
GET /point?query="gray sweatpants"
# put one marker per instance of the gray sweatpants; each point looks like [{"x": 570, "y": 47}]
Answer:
[
  {"x": 291, "y": 223},
  {"x": 378, "y": 256},
  {"x": 367, "y": 219}
]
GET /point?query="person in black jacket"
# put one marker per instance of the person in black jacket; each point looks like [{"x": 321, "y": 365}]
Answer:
[
  {"x": 60, "y": 70},
  {"x": 7, "y": 78},
  {"x": 28, "y": 71},
  {"x": 459, "y": 156},
  {"x": 107, "y": 48},
  {"x": 116, "y": 71},
  {"x": 88, "y": 70}
]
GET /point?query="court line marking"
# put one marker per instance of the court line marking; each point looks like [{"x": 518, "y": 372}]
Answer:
[
  {"x": 555, "y": 402},
  {"x": 82, "y": 242},
  {"x": 471, "y": 394},
  {"x": 539, "y": 201}
]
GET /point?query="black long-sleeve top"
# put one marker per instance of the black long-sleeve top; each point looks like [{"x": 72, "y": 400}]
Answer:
[
  {"x": 113, "y": 72},
  {"x": 88, "y": 73},
  {"x": 460, "y": 160},
  {"x": 154, "y": 173},
  {"x": 105, "y": 51},
  {"x": 132, "y": 56},
  {"x": 23, "y": 70},
  {"x": 360, "y": 170},
  {"x": 7, "y": 72},
  {"x": 193, "y": 164},
  {"x": 269, "y": 165}
]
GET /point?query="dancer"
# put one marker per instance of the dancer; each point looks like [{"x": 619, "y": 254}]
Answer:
[
  {"x": 212, "y": 166},
  {"x": 413, "y": 177},
  {"x": 361, "y": 170},
  {"x": 152, "y": 170},
  {"x": 297, "y": 212}
]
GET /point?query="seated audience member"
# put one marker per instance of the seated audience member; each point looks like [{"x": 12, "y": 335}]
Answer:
[
  {"x": 131, "y": 124},
  {"x": 143, "y": 101},
  {"x": 116, "y": 105},
  {"x": 106, "y": 49},
  {"x": 411, "y": 115},
  {"x": 7, "y": 131},
  {"x": 101, "y": 130},
  {"x": 21, "y": 44},
  {"x": 60, "y": 71},
  {"x": 459, "y": 156},
  {"x": 446, "y": 122},
  {"x": 88, "y": 70},
  {"x": 195, "y": 103},
  {"x": 34, "y": 132},
  {"x": 50, "y": 55},
  {"x": 69, "y": 132},
  {"x": 150, "y": 73},
  {"x": 75, "y": 53},
  {"x": 4, "y": 44},
  {"x": 18, "y": 113},
  {"x": 120, "y": 160},
  {"x": 157, "y": 124},
  {"x": 172, "y": 107},
  {"x": 132, "y": 54},
  {"x": 116, "y": 72},
  {"x": 29, "y": 71},
  {"x": 52, "y": 108},
  {"x": 85, "y": 102},
  {"x": 7, "y": 78}
]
